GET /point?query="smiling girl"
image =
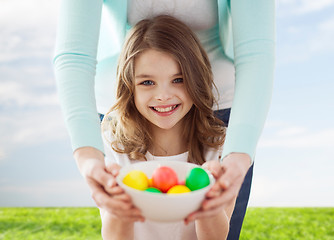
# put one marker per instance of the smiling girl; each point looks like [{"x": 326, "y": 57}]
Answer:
[{"x": 164, "y": 111}]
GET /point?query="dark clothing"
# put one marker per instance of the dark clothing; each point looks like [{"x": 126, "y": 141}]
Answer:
[{"x": 243, "y": 196}]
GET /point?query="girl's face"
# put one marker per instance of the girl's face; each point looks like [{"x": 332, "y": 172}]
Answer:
[{"x": 160, "y": 94}]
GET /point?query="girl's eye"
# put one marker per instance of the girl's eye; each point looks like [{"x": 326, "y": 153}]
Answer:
[
  {"x": 178, "y": 80},
  {"x": 147, "y": 83}
]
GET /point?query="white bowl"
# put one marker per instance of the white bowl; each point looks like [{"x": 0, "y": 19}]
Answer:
[{"x": 164, "y": 207}]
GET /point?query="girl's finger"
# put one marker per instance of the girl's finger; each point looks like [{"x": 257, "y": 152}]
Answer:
[
  {"x": 132, "y": 212},
  {"x": 122, "y": 197},
  {"x": 127, "y": 217},
  {"x": 132, "y": 219},
  {"x": 115, "y": 190}
]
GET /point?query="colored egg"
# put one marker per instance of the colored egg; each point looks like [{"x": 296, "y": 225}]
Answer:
[
  {"x": 197, "y": 178},
  {"x": 150, "y": 182},
  {"x": 153, "y": 190},
  {"x": 164, "y": 178},
  {"x": 182, "y": 182},
  {"x": 178, "y": 189},
  {"x": 136, "y": 179}
]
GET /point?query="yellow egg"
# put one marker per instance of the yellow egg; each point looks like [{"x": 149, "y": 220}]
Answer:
[
  {"x": 136, "y": 179},
  {"x": 178, "y": 189}
]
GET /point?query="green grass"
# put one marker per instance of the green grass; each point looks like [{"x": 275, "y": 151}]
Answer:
[
  {"x": 49, "y": 223},
  {"x": 84, "y": 224},
  {"x": 288, "y": 223}
]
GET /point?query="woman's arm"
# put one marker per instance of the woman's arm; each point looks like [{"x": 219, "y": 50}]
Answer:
[
  {"x": 253, "y": 27},
  {"x": 75, "y": 64}
]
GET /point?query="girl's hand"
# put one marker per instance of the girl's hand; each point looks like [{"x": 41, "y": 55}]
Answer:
[
  {"x": 102, "y": 183},
  {"x": 229, "y": 176}
]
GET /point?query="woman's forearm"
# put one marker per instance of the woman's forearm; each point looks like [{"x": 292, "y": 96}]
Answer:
[
  {"x": 253, "y": 25},
  {"x": 74, "y": 65}
]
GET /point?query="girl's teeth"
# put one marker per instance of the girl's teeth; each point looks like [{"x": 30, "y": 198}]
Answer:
[{"x": 165, "y": 109}]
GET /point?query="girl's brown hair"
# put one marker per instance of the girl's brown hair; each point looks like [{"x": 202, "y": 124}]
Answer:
[{"x": 129, "y": 128}]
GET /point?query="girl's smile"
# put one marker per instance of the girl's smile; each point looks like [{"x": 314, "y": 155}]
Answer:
[
  {"x": 160, "y": 94},
  {"x": 165, "y": 110}
]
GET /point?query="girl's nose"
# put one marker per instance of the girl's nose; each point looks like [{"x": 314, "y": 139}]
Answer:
[{"x": 163, "y": 93}]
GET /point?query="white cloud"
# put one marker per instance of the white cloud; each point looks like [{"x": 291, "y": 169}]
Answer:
[
  {"x": 72, "y": 192},
  {"x": 31, "y": 128},
  {"x": 26, "y": 43},
  {"x": 2, "y": 153},
  {"x": 292, "y": 191},
  {"x": 297, "y": 137},
  {"x": 17, "y": 94},
  {"x": 307, "y": 6},
  {"x": 293, "y": 166},
  {"x": 23, "y": 14},
  {"x": 26, "y": 49},
  {"x": 292, "y": 7},
  {"x": 322, "y": 40},
  {"x": 303, "y": 42},
  {"x": 26, "y": 30},
  {"x": 291, "y": 131}
]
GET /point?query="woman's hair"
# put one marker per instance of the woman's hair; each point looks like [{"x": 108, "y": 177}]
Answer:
[{"x": 129, "y": 128}]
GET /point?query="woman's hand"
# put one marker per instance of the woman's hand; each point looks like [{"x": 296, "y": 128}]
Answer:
[
  {"x": 229, "y": 176},
  {"x": 234, "y": 168},
  {"x": 101, "y": 180}
]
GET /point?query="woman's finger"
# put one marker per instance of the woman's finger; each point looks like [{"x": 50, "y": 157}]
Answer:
[
  {"x": 113, "y": 168},
  {"x": 223, "y": 199},
  {"x": 99, "y": 174},
  {"x": 214, "y": 167},
  {"x": 105, "y": 201}
]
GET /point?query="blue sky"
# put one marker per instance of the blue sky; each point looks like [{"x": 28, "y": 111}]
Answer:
[{"x": 295, "y": 157}]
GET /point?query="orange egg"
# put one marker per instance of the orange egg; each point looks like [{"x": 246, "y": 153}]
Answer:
[{"x": 150, "y": 182}]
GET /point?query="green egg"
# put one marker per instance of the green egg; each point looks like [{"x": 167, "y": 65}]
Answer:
[
  {"x": 197, "y": 178},
  {"x": 153, "y": 190}
]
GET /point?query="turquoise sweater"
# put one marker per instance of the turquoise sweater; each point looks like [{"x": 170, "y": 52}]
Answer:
[{"x": 247, "y": 31}]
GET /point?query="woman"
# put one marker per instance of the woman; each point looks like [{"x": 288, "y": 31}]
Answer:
[{"x": 238, "y": 36}]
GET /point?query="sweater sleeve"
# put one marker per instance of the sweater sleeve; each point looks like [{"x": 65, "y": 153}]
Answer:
[
  {"x": 75, "y": 68},
  {"x": 253, "y": 27}
]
